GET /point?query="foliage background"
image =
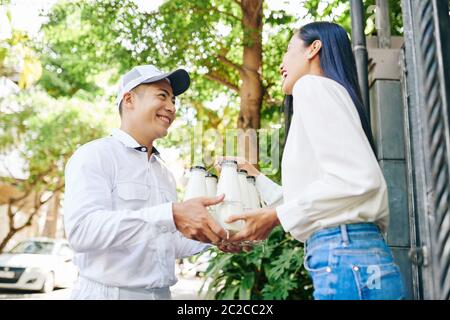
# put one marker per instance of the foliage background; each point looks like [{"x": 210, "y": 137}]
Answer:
[{"x": 68, "y": 74}]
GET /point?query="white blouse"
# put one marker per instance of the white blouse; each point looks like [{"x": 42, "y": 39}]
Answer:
[{"x": 330, "y": 175}]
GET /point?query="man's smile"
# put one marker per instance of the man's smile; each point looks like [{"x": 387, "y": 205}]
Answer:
[{"x": 164, "y": 118}]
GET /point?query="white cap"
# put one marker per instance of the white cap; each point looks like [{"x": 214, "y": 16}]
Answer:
[{"x": 179, "y": 79}]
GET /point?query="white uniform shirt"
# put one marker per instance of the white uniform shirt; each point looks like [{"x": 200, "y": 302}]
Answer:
[
  {"x": 118, "y": 215},
  {"x": 330, "y": 175}
]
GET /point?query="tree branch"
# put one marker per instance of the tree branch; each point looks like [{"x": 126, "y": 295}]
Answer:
[
  {"x": 10, "y": 215},
  {"x": 203, "y": 10},
  {"x": 25, "y": 195},
  {"x": 28, "y": 223},
  {"x": 29, "y": 188},
  {"x": 226, "y": 14},
  {"x": 58, "y": 188},
  {"x": 37, "y": 206},
  {"x": 271, "y": 101},
  {"x": 19, "y": 208},
  {"x": 221, "y": 80},
  {"x": 230, "y": 63}
]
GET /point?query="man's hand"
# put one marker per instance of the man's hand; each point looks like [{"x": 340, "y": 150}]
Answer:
[
  {"x": 229, "y": 247},
  {"x": 193, "y": 220},
  {"x": 258, "y": 224}
]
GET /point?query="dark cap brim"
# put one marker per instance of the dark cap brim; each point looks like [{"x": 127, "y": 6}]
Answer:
[{"x": 179, "y": 80}]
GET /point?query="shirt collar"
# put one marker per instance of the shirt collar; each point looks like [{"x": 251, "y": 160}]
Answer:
[{"x": 130, "y": 142}]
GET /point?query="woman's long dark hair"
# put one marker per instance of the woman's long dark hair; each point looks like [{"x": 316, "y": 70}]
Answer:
[{"x": 337, "y": 63}]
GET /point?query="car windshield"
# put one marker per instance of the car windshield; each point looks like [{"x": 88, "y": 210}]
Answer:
[{"x": 33, "y": 247}]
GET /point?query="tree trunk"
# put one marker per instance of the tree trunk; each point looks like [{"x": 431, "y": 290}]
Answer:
[
  {"x": 251, "y": 90},
  {"x": 51, "y": 221},
  {"x": 10, "y": 234},
  {"x": 38, "y": 203},
  {"x": 5, "y": 241}
]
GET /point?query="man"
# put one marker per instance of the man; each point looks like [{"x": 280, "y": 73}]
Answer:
[{"x": 120, "y": 213}]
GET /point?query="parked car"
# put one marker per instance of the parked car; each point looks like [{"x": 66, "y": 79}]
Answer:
[{"x": 38, "y": 264}]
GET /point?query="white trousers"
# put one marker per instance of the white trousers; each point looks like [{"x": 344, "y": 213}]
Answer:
[{"x": 85, "y": 289}]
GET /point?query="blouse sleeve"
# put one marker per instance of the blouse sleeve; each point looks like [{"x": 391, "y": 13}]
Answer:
[{"x": 271, "y": 193}]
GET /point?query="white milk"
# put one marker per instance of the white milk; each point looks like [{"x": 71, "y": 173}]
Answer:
[
  {"x": 196, "y": 186},
  {"x": 255, "y": 199},
  {"x": 211, "y": 191},
  {"x": 229, "y": 185},
  {"x": 211, "y": 185},
  {"x": 243, "y": 185}
]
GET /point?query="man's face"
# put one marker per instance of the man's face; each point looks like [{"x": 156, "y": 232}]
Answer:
[{"x": 150, "y": 109}]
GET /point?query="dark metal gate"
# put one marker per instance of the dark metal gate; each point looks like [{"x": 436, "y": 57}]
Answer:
[
  {"x": 407, "y": 97},
  {"x": 426, "y": 91}
]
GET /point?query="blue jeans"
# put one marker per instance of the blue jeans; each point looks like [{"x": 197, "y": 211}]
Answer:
[{"x": 352, "y": 262}]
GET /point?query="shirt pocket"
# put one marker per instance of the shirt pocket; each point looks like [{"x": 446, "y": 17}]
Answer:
[{"x": 132, "y": 195}]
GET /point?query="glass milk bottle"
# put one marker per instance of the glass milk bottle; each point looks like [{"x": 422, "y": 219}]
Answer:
[
  {"x": 253, "y": 193},
  {"x": 196, "y": 186},
  {"x": 211, "y": 185},
  {"x": 243, "y": 185},
  {"x": 232, "y": 204},
  {"x": 211, "y": 191}
]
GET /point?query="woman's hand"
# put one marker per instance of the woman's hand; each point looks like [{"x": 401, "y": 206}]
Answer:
[
  {"x": 258, "y": 224},
  {"x": 229, "y": 247},
  {"x": 242, "y": 164}
]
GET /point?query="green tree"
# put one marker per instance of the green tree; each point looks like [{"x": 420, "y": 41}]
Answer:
[
  {"x": 233, "y": 49},
  {"x": 17, "y": 57},
  {"x": 338, "y": 11},
  {"x": 46, "y": 132},
  {"x": 220, "y": 42}
]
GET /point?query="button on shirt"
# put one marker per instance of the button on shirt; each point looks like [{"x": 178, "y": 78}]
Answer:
[
  {"x": 329, "y": 173},
  {"x": 118, "y": 214}
]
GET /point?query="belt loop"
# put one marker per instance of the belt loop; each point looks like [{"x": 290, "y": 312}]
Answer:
[{"x": 344, "y": 234}]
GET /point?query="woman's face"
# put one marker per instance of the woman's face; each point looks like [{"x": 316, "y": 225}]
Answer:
[{"x": 295, "y": 63}]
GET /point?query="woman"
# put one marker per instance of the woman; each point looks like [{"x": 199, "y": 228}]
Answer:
[{"x": 334, "y": 196}]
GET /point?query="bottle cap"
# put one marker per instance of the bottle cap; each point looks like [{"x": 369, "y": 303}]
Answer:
[
  {"x": 198, "y": 167},
  {"x": 210, "y": 175}
]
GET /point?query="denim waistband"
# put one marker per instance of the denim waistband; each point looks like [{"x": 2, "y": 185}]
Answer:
[{"x": 343, "y": 232}]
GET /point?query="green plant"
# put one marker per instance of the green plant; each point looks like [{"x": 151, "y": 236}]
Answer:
[{"x": 271, "y": 271}]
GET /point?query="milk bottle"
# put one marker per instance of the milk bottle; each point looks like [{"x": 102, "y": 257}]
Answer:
[
  {"x": 196, "y": 186},
  {"x": 211, "y": 191},
  {"x": 229, "y": 185},
  {"x": 243, "y": 185},
  {"x": 253, "y": 193}
]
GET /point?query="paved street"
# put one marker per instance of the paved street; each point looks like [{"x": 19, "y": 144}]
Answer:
[{"x": 185, "y": 289}]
